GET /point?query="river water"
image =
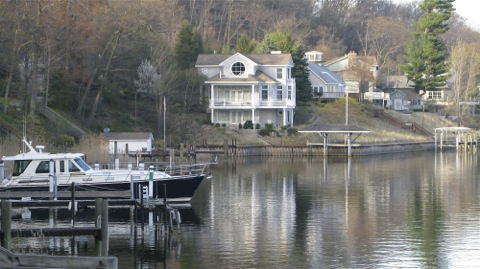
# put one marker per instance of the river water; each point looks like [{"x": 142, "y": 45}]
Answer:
[{"x": 418, "y": 210}]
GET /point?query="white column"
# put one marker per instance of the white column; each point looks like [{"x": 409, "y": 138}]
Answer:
[
  {"x": 349, "y": 144},
  {"x": 284, "y": 117},
  {"x": 252, "y": 100},
  {"x": 212, "y": 111}
]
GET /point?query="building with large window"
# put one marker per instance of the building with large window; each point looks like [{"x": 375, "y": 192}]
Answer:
[{"x": 249, "y": 87}]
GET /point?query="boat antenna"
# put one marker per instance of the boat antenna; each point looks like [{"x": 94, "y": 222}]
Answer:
[{"x": 24, "y": 134}]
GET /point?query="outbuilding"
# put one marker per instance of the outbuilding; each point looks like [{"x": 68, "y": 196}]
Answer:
[{"x": 129, "y": 142}]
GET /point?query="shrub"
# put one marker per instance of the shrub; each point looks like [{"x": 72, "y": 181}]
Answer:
[
  {"x": 269, "y": 126},
  {"x": 217, "y": 124},
  {"x": 224, "y": 125},
  {"x": 292, "y": 131},
  {"x": 257, "y": 126},
  {"x": 239, "y": 126},
  {"x": 248, "y": 124},
  {"x": 264, "y": 132}
]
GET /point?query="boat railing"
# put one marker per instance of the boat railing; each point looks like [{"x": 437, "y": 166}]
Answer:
[{"x": 182, "y": 170}]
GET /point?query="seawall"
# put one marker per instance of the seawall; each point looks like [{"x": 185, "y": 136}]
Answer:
[{"x": 318, "y": 149}]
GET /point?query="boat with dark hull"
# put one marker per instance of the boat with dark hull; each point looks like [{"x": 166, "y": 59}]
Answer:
[{"x": 36, "y": 170}]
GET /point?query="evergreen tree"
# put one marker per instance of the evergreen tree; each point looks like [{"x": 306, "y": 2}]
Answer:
[
  {"x": 426, "y": 52},
  {"x": 188, "y": 46},
  {"x": 245, "y": 44},
  {"x": 301, "y": 74},
  {"x": 284, "y": 42}
]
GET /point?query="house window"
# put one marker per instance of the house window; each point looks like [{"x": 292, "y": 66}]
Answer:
[
  {"x": 434, "y": 95},
  {"x": 289, "y": 73},
  {"x": 279, "y": 73},
  {"x": 289, "y": 93},
  {"x": 317, "y": 91},
  {"x": 238, "y": 68},
  {"x": 264, "y": 93},
  {"x": 279, "y": 93}
]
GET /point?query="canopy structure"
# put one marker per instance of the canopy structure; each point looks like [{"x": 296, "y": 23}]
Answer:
[
  {"x": 460, "y": 134},
  {"x": 325, "y": 129}
]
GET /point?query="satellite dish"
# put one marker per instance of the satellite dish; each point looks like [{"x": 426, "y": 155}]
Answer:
[{"x": 106, "y": 130}]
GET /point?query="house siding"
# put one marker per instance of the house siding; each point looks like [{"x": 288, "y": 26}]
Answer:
[{"x": 237, "y": 97}]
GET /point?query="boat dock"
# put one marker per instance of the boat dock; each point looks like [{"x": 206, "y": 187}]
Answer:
[{"x": 102, "y": 201}]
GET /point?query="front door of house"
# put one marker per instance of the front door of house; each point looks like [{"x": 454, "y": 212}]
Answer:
[{"x": 236, "y": 116}]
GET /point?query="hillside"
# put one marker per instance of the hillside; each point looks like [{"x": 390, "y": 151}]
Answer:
[
  {"x": 381, "y": 131},
  {"x": 192, "y": 129}
]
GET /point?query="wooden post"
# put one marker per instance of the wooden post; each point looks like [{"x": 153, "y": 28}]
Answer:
[
  {"x": 73, "y": 207},
  {"x": 98, "y": 208},
  {"x": 6, "y": 207},
  {"x": 225, "y": 148},
  {"x": 165, "y": 212},
  {"x": 105, "y": 239}
]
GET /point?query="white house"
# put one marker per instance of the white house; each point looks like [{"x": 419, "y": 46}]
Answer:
[
  {"x": 256, "y": 87},
  {"x": 359, "y": 72},
  {"x": 129, "y": 142},
  {"x": 325, "y": 84}
]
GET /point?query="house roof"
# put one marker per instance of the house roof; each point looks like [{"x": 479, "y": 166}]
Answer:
[
  {"x": 396, "y": 82},
  {"x": 128, "y": 136},
  {"x": 261, "y": 59},
  {"x": 408, "y": 93},
  {"x": 323, "y": 73},
  {"x": 258, "y": 77},
  {"x": 370, "y": 60}
]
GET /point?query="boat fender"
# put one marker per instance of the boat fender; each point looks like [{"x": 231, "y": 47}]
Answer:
[
  {"x": 75, "y": 206},
  {"x": 179, "y": 219}
]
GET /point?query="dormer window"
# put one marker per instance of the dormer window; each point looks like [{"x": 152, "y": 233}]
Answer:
[{"x": 238, "y": 69}]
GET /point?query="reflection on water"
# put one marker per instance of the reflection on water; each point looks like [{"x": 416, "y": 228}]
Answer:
[{"x": 389, "y": 211}]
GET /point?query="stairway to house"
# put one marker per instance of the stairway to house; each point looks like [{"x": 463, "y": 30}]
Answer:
[{"x": 61, "y": 122}]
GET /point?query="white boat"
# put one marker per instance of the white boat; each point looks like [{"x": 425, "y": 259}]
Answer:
[{"x": 31, "y": 172}]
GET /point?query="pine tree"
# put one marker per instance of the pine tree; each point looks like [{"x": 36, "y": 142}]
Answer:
[
  {"x": 301, "y": 74},
  {"x": 245, "y": 44},
  {"x": 426, "y": 52},
  {"x": 284, "y": 42},
  {"x": 188, "y": 46}
]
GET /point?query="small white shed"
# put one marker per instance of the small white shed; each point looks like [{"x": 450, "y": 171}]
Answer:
[{"x": 129, "y": 142}]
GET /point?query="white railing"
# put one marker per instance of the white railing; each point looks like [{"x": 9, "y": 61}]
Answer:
[{"x": 227, "y": 103}]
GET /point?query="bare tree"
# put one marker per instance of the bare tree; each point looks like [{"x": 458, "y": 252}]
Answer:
[{"x": 465, "y": 67}]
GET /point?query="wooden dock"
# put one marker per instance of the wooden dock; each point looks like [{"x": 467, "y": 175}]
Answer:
[
  {"x": 10, "y": 260},
  {"x": 67, "y": 194},
  {"x": 99, "y": 231}
]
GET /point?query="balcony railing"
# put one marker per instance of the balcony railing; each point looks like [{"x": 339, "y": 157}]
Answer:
[{"x": 227, "y": 103}]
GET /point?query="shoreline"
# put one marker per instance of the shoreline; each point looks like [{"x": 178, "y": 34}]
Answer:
[{"x": 333, "y": 149}]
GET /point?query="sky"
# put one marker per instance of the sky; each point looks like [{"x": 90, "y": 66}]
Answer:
[{"x": 466, "y": 8}]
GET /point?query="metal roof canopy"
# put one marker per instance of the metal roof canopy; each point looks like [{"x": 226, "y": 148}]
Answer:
[
  {"x": 325, "y": 129},
  {"x": 444, "y": 131}
]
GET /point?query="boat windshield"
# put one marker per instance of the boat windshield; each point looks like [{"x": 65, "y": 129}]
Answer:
[
  {"x": 82, "y": 164},
  {"x": 19, "y": 166}
]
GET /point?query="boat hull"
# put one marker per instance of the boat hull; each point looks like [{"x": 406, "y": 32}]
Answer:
[{"x": 180, "y": 188}]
